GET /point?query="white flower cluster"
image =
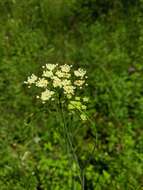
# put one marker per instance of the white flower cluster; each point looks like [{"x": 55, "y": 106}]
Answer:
[{"x": 63, "y": 78}]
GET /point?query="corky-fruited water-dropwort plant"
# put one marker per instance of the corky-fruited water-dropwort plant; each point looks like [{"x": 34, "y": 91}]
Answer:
[{"x": 63, "y": 86}]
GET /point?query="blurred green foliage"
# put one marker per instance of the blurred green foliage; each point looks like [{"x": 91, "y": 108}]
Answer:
[{"x": 106, "y": 37}]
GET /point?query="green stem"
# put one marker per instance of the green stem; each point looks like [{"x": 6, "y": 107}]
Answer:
[
  {"x": 96, "y": 137},
  {"x": 72, "y": 148}
]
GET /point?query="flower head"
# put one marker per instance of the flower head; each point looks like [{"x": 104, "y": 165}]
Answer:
[
  {"x": 57, "y": 82},
  {"x": 42, "y": 82},
  {"x": 66, "y": 82},
  {"x": 80, "y": 73},
  {"x": 61, "y": 74},
  {"x": 79, "y": 82},
  {"x": 68, "y": 89},
  {"x": 50, "y": 66},
  {"x": 48, "y": 74},
  {"x": 46, "y": 95},
  {"x": 31, "y": 79},
  {"x": 62, "y": 81},
  {"x": 65, "y": 68}
]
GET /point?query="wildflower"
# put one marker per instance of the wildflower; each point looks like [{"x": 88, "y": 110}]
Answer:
[
  {"x": 31, "y": 79},
  {"x": 68, "y": 89},
  {"x": 67, "y": 75},
  {"x": 65, "y": 78},
  {"x": 80, "y": 73},
  {"x": 61, "y": 74},
  {"x": 50, "y": 66},
  {"x": 57, "y": 82},
  {"x": 48, "y": 74},
  {"x": 46, "y": 95},
  {"x": 65, "y": 68},
  {"x": 79, "y": 82},
  {"x": 66, "y": 82},
  {"x": 42, "y": 82}
]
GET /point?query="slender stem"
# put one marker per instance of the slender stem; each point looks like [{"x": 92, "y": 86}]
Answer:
[
  {"x": 81, "y": 169},
  {"x": 96, "y": 137},
  {"x": 63, "y": 131},
  {"x": 72, "y": 148}
]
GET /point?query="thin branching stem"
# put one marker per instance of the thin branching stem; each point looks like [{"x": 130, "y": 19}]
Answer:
[{"x": 71, "y": 147}]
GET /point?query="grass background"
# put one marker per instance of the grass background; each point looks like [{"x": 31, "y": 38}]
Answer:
[{"x": 105, "y": 37}]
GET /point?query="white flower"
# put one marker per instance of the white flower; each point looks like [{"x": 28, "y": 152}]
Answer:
[
  {"x": 67, "y": 75},
  {"x": 80, "y": 73},
  {"x": 69, "y": 89},
  {"x": 42, "y": 82},
  {"x": 66, "y": 82},
  {"x": 50, "y": 66},
  {"x": 57, "y": 82},
  {"x": 46, "y": 95},
  {"x": 48, "y": 74},
  {"x": 60, "y": 74},
  {"x": 79, "y": 82},
  {"x": 31, "y": 79},
  {"x": 65, "y": 68}
]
